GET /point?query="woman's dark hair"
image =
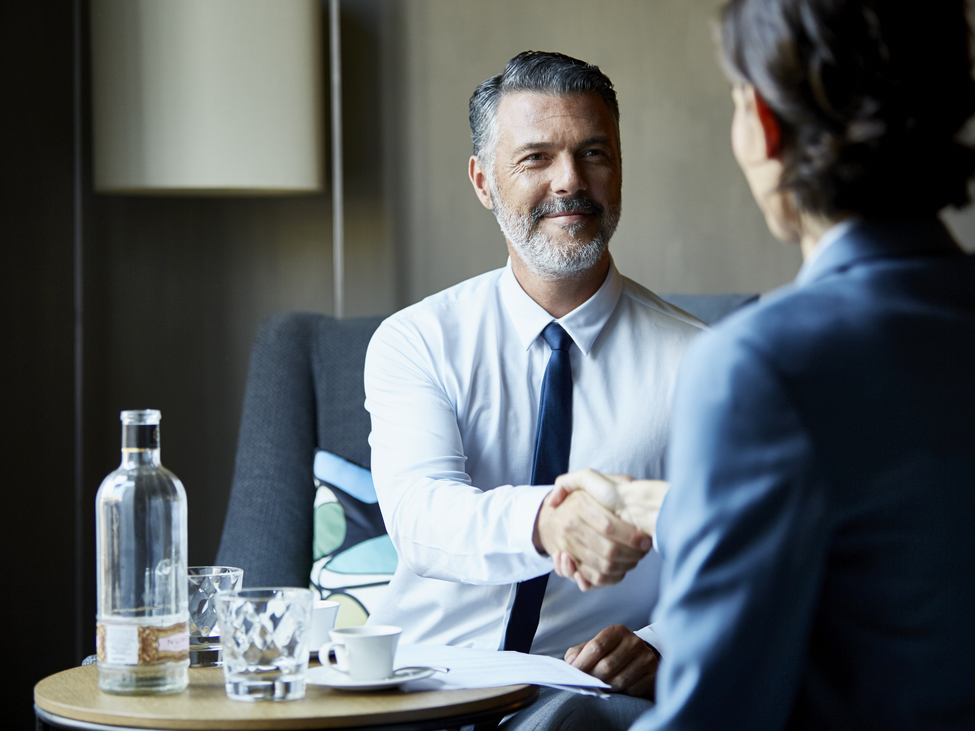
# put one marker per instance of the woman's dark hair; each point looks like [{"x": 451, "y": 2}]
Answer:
[{"x": 871, "y": 96}]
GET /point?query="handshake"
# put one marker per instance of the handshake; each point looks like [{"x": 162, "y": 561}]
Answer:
[{"x": 597, "y": 527}]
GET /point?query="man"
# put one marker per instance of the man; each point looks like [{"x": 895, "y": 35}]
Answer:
[{"x": 453, "y": 387}]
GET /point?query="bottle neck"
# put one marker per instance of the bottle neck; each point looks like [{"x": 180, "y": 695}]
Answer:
[
  {"x": 140, "y": 445},
  {"x": 132, "y": 458}
]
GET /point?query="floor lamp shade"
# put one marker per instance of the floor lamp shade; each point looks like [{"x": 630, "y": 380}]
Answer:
[{"x": 207, "y": 96}]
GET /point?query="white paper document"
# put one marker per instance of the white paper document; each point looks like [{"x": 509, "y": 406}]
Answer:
[{"x": 467, "y": 668}]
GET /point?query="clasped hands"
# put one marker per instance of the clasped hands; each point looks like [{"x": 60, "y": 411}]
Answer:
[{"x": 597, "y": 527}]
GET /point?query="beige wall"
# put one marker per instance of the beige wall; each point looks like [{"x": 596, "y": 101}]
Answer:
[{"x": 689, "y": 223}]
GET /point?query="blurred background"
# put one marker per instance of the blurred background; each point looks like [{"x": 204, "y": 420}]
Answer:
[{"x": 114, "y": 301}]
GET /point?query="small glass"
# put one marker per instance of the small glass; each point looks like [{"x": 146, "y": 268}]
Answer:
[
  {"x": 265, "y": 642},
  {"x": 204, "y": 584}
]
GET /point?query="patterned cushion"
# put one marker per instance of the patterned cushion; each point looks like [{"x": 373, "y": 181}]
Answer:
[{"x": 354, "y": 558}]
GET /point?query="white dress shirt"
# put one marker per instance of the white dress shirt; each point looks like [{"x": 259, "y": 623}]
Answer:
[
  {"x": 452, "y": 385},
  {"x": 833, "y": 234}
]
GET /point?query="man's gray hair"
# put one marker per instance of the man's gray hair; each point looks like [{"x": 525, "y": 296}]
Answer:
[{"x": 535, "y": 71}]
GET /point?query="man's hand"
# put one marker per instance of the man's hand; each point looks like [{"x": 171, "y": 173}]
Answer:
[
  {"x": 602, "y": 546},
  {"x": 620, "y": 658},
  {"x": 635, "y": 501}
]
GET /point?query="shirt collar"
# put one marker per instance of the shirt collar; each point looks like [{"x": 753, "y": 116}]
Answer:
[
  {"x": 583, "y": 324},
  {"x": 833, "y": 234}
]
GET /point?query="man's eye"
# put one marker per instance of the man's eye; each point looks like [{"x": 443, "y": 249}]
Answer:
[
  {"x": 534, "y": 157},
  {"x": 593, "y": 153}
]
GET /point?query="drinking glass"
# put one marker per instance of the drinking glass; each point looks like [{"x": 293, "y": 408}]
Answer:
[
  {"x": 265, "y": 642},
  {"x": 204, "y": 584}
]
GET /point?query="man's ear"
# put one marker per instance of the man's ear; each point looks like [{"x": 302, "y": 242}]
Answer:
[
  {"x": 479, "y": 180},
  {"x": 770, "y": 126}
]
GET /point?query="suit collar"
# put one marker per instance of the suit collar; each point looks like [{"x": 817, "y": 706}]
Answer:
[{"x": 866, "y": 239}]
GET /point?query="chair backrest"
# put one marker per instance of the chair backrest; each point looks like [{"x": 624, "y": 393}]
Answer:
[
  {"x": 709, "y": 308},
  {"x": 304, "y": 392}
]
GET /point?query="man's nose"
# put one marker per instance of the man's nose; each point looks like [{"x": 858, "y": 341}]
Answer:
[{"x": 567, "y": 176}]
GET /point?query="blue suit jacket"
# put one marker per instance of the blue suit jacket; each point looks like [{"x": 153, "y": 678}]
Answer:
[{"x": 819, "y": 535}]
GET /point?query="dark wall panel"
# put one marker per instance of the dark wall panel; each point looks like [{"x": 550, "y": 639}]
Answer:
[
  {"x": 37, "y": 523},
  {"x": 172, "y": 291}
]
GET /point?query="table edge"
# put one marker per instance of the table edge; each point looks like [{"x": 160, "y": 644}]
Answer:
[{"x": 515, "y": 697}]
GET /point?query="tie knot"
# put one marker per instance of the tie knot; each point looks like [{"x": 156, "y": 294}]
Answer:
[{"x": 556, "y": 337}]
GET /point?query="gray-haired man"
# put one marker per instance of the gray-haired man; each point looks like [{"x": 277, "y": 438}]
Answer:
[{"x": 454, "y": 383}]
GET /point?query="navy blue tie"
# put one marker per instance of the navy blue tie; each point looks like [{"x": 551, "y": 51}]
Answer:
[{"x": 553, "y": 437}]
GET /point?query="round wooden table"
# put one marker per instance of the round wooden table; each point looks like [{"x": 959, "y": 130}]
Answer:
[{"x": 71, "y": 699}]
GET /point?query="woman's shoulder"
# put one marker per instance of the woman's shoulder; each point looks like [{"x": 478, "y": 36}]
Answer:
[{"x": 791, "y": 330}]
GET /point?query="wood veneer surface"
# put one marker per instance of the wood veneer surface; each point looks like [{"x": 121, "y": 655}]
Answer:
[{"x": 74, "y": 694}]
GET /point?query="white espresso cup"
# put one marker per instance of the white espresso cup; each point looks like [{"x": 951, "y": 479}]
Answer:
[
  {"x": 365, "y": 653},
  {"x": 322, "y": 621}
]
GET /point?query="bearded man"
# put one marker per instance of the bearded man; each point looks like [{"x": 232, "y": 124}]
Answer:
[{"x": 478, "y": 401}]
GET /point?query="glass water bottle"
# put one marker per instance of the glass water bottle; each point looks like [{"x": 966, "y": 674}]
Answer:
[{"x": 142, "y": 631}]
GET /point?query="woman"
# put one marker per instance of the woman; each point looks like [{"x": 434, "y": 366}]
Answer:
[{"x": 817, "y": 538}]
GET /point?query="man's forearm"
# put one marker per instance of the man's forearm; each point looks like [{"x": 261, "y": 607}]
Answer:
[{"x": 454, "y": 532}]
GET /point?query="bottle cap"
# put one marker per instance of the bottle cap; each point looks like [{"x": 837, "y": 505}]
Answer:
[{"x": 141, "y": 416}]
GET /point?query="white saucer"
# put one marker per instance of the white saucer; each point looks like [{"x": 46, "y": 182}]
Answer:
[{"x": 333, "y": 678}]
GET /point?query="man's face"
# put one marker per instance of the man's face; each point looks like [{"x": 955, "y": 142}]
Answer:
[{"x": 557, "y": 178}]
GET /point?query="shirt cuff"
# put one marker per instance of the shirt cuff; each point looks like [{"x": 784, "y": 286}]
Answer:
[
  {"x": 655, "y": 641},
  {"x": 525, "y": 511}
]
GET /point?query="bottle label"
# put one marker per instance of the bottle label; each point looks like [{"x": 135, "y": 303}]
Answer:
[
  {"x": 139, "y": 437},
  {"x": 130, "y": 644}
]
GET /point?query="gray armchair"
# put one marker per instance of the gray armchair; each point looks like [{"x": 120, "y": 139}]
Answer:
[{"x": 304, "y": 392}]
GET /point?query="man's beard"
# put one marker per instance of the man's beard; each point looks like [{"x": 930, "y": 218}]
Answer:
[{"x": 543, "y": 255}]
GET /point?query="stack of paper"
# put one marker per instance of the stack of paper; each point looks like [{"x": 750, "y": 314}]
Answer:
[{"x": 467, "y": 668}]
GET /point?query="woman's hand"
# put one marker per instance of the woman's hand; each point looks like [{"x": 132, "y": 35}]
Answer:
[{"x": 635, "y": 501}]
